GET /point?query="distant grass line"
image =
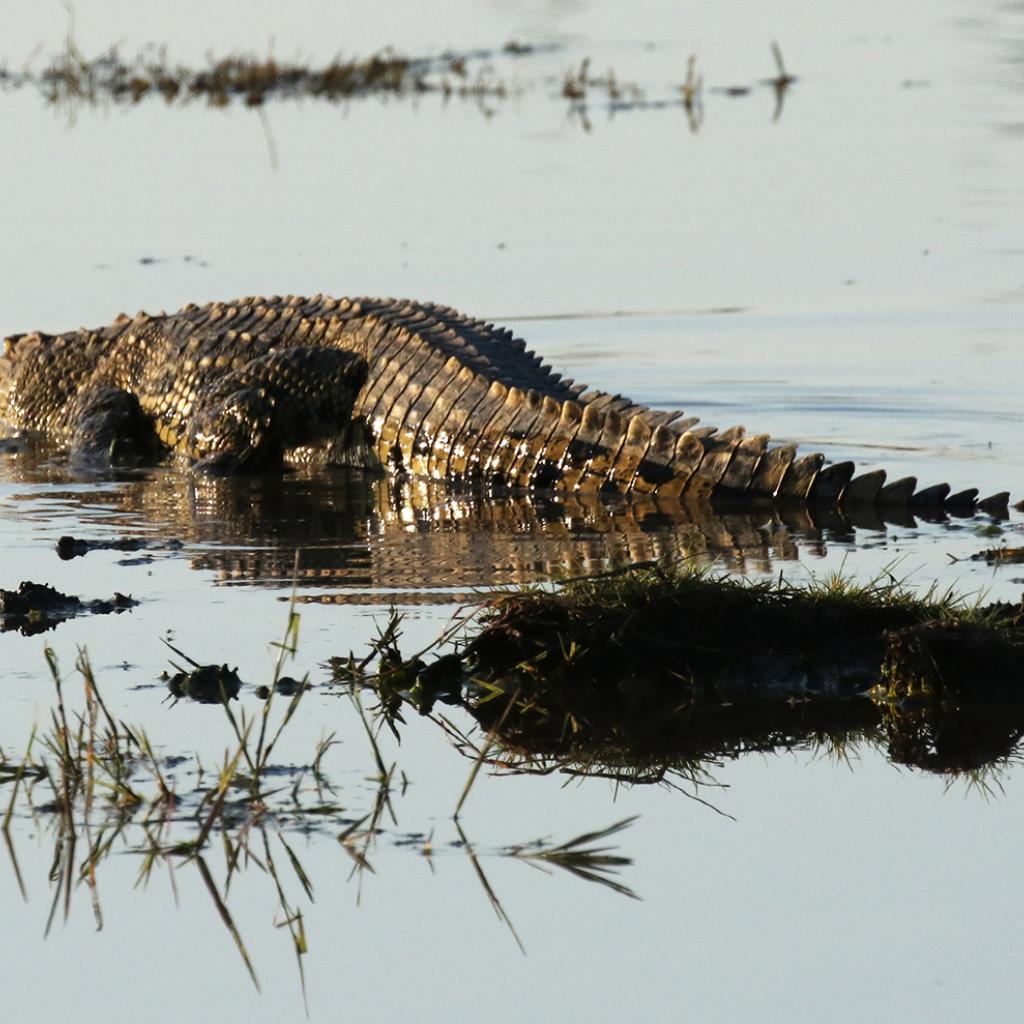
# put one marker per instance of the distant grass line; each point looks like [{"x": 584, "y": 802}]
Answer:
[{"x": 72, "y": 79}]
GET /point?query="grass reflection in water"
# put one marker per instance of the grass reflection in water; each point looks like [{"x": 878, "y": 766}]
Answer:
[{"x": 98, "y": 787}]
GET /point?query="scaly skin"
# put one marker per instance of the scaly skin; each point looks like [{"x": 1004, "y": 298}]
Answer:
[{"x": 418, "y": 387}]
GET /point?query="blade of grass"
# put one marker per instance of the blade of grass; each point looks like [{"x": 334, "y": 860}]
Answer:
[
  {"x": 484, "y": 751},
  {"x": 225, "y": 916}
]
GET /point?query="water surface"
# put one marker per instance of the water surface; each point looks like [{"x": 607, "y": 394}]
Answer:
[{"x": 847, "y": 274}]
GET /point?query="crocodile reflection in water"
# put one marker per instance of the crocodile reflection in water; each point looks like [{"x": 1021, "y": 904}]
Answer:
[{"x": 371, "y": 540}]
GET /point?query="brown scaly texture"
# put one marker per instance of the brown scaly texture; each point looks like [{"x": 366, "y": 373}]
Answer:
[{"x": 419, "y": 387}]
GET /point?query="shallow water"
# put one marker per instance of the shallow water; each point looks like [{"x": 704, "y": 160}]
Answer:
[{"x": 848, "y": 275}]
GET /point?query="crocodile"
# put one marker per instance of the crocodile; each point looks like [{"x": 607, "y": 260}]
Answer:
[{"x": 414, "y": 387}]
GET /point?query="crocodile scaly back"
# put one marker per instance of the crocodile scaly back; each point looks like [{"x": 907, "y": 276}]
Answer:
[{"x": 428, "y": 391}]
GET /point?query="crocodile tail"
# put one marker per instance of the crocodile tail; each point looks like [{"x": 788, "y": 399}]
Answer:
[{"x": 599, "y": 442}]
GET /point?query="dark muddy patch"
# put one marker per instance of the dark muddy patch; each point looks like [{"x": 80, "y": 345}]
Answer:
[
  {"x": 74, "y": 547},
  {"x": 37, "y": 607}
]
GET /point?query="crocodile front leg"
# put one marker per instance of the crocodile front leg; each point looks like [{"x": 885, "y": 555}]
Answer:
[
  {"x": 109, "y": 427},
  {"x": 292, "y": 398}
]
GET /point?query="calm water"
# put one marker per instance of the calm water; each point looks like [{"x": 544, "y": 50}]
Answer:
[{"x": 848, "y": 274}]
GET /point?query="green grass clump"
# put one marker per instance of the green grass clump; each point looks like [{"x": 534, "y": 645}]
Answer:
[
  {"x": 654, "y": 674},
  {"x": 650, "y": 620},
  {"x": 653, "y": 670}
]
